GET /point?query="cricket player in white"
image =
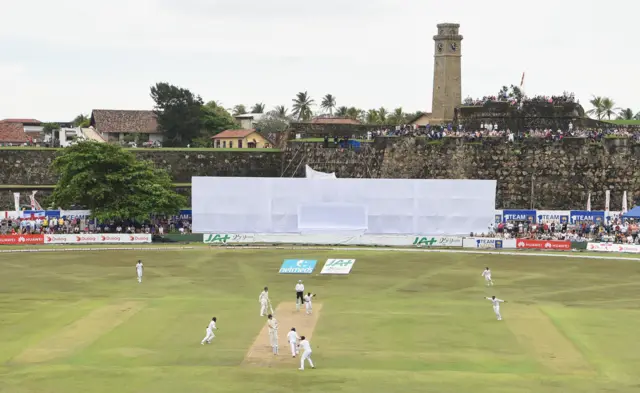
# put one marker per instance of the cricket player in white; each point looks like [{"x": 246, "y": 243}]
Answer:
[
  {"x": 487, "y": 276},
  {"x": 264, "y": 301},
  {"x": 306, "y": 352},
  {"x": 139, "y": 269},
  {"x": 496, "y": 306},
  {"x": 299, "y": 294},
  {"x": 307, "y": 302},
  {"x": 293, "y": 338},
  {"x": 210, "y": 328},
  {"x": 273, "y": 333}
]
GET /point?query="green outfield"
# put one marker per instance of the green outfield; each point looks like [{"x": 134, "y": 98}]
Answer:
[{"x": 401, "y": 322}]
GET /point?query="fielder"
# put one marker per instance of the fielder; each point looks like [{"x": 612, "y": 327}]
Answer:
[
  {"x": 306, "y": 352},
  {"x": 307, "y": 302},
  {"x": 139, "y": 270},
  {"x": 210, "y": 328},
  {"x": 293, "y": 338},
  {"x": 496, "y": 306},
  {"x": 273, "y": 333},
  {"x": 487, "y": 276},
  {"x": 263, "y": 299},
  {"x": 299, "y": 294}
]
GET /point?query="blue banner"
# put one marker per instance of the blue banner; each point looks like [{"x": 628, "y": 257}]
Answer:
[
  {"x": 297, "y": 266},
  {"x": 498, "y": 219},
  {"x": 519, "y": 215},
  {"x": 488, "y": 243},
  {"x": 580, "y": 216}
]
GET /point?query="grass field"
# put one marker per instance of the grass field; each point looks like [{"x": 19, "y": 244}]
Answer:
[{"x": 401, "y": 322}]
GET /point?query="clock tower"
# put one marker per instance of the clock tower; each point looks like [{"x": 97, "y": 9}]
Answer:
[{"x": 447, "y": 70}]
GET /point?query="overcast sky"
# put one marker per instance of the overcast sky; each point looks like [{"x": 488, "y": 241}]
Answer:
[{"x": 65, "y": 57}]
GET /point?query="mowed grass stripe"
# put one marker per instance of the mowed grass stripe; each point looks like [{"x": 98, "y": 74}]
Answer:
[
  {"x": 80, "y": 333},
  {"x": 537, "y": 333}
]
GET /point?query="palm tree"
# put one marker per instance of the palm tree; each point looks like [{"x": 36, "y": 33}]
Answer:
[
  {"x": 302, "y": 106},
  {"x": 382, "y": 115},
  {"x": 328, "y": 103},
  {"x": 626, "y": 114},
  {"x": 342, "y": 111},
  {"x": 596, "y": 103},
  {"x": 280, "y": 112},
  {"x": 353, "y": 113},
  {"x": 82, "y": 121},
  {"x": 258, "y": 108},
  {"x": 239, "y": 110},
  {"x": 608, "y": 107},
  {"x": 397, "y": 117},
  {"x": 372, "y": 117}
]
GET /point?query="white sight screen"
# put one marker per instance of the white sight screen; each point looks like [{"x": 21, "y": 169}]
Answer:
[{"x": 373, "y": 206}]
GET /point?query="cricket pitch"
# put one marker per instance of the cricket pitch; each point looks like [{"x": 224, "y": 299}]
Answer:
[{"x": 260, "y": 353}]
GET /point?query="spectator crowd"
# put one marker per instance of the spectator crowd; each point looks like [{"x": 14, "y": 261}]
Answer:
[
  {"x": 617, "y": 231},
  {"x": 82, "y": 225}
]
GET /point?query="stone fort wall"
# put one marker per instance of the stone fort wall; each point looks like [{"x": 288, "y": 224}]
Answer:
[{"x": 533, "y": 174}]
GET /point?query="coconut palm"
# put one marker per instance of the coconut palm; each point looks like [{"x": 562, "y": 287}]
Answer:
[
  {"x": 626, "y": 114},
  {"x": 372, "y": 117},
  {"x": 239, "y": 110},
  {"x": 397, "y": 117},
  {"x": 328, "y": 103},
  {"x": 302, "y": 106},
  {"x": 382, "y": 115},
  {"x": 258, "y": 108},
  {"x": 280, "y": 112},
  {"x": 608, "y": 107},
  {"x": 353, "y": 113},
  {"x": 596, "y": 103},
  {"x": 342, "y": 111}
]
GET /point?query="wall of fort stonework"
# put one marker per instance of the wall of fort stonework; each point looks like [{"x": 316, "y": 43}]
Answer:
[
  {"x": 31, "y": 167},
  {"x": 535, "y": 173}
]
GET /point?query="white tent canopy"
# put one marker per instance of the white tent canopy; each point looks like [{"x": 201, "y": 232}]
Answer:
[{"x": 311, "y": 174}]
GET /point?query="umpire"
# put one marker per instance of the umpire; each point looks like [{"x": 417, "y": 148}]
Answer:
[{"x": 299, "y": 294}]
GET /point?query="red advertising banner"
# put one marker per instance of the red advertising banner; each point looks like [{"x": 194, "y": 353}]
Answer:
[
  {"x": 544, "y": 244},
  {"x": 21, "y": 239}
]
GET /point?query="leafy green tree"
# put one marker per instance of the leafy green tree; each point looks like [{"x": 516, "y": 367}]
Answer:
[
  {"x": 179, "y": 113},
  {"x": 258, "y": 108},
  {"x": 239, "y": 110},
  {"x": 271, "y": 123},
  {"x": 328, "y": 103},
  {"x": 302, "y": 106},
  {"x": 216, "y": 119},
  {"x": 112, "y": 183}
]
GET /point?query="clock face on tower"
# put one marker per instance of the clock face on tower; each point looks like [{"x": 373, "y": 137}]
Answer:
[
  {"x": 454, "y": 46},
  {"x": 440, "y": 46}
]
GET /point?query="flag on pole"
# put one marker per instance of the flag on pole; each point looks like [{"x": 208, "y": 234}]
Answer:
[
  {"x": 607, "y": 200},
  {"x": 624, "y": 202},
  {"x": 589, "y": 203}
]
